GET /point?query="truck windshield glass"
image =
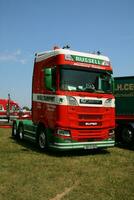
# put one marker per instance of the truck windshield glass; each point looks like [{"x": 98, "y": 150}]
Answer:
[{"x": 85, "y": 80}]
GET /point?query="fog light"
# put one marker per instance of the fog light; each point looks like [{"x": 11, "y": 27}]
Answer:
[
  {"x": 63, "y": 132},
  {"x": 112, "y": 133}
]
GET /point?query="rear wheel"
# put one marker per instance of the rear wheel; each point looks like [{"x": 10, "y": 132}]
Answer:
[
  {"x": 21, "y": 132},
  {"x": 127, "y": 135},
  {"x": 14, "y": 130},
  {"x": 42, "y": 139}
]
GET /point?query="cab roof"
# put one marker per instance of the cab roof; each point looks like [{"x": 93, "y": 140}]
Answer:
[{"x": 47, "y": 54}]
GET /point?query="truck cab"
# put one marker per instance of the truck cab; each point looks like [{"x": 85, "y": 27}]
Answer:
[{"x": 72, "y": 101}]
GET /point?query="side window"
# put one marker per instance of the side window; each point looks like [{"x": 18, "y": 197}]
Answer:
[
  {"x": 50, "y": 78},
  {"x": 105, "y": 83}
]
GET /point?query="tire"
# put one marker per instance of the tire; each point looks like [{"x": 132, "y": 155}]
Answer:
[
  {"x": 127, "y": 135},
  {"x": 20, "y": 132},
  {"x": 42, "y": 139},
  {"x": 14, "y": 131}
]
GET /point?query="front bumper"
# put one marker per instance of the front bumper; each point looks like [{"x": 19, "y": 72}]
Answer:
[{"x": 83, "y": 145}]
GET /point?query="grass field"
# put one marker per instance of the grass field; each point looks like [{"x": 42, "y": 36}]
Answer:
[{"x": 27, "y": 174}]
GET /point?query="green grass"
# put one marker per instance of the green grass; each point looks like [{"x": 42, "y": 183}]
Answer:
[{"x": 27, "y": 174}]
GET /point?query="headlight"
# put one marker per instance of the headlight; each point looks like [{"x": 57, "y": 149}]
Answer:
[
  {"x": 72, "y": 101},
  {"x": 108, "y": 102}
]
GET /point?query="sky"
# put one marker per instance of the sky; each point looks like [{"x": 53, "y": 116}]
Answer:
[{"x": 30, "y": 26}]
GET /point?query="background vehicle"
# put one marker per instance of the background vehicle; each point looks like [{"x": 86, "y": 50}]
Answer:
[
  {"x": 9, "y": 110},
  {"x": 124, "y": 102},
  {"x": 72, "y": 102}
]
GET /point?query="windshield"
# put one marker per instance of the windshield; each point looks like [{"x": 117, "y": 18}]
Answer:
[{"x": 80, "y": 79}]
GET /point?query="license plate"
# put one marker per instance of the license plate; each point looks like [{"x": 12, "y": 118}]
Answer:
[{"x": 90, "y": 146}]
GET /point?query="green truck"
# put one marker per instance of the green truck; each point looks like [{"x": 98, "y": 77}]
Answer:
[{"x": 124, "y": 103}]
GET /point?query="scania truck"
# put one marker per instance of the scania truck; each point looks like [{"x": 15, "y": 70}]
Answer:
[
  {"x": 73, "y": 106},
  {"x": 124, "y": 101}
]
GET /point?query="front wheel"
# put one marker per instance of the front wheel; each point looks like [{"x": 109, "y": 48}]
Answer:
[{"x": 42, "y": 139}]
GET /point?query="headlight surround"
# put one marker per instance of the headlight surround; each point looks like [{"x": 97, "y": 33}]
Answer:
[{"x": 63, "y": 132}]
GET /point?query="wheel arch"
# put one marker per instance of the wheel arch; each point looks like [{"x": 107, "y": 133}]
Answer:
[{"x": 40, "y": 125}]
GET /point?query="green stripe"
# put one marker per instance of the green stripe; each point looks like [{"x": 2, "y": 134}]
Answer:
[{"x": 88, "y": 60}]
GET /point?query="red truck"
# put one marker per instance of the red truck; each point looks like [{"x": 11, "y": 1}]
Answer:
[
  {"x": 9, "y": 110},
  {"x": 72, "y": 102},
  {"x": 124, "y": 101}
]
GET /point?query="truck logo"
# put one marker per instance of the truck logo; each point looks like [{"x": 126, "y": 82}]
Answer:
[{"x": 90, "y": 101}]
